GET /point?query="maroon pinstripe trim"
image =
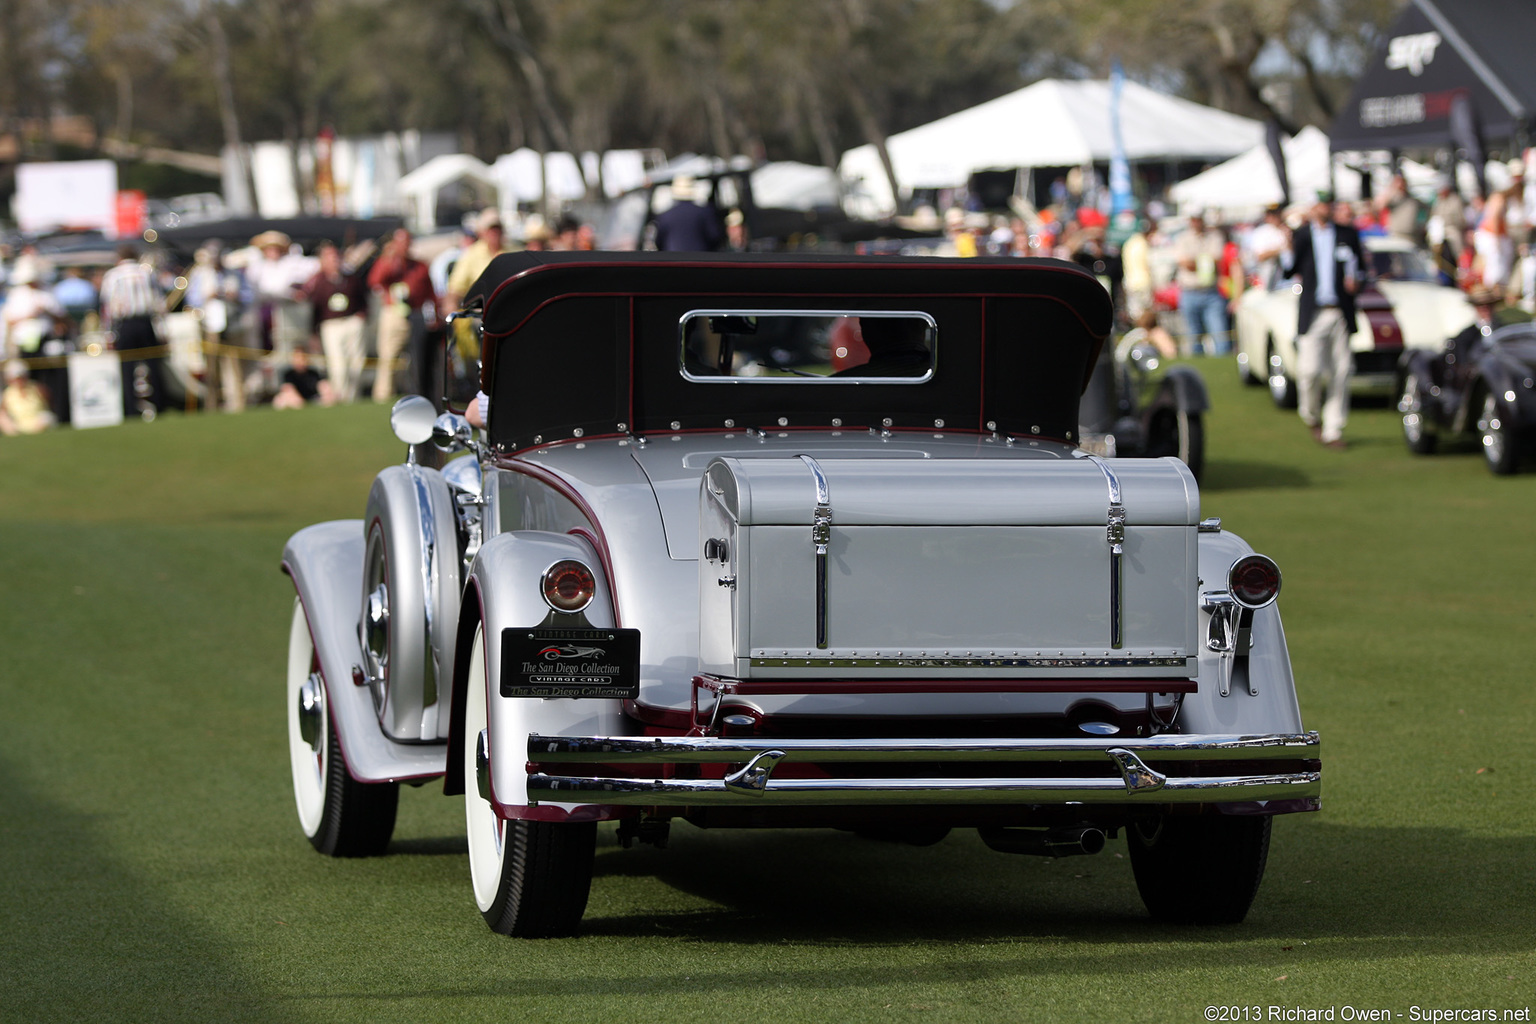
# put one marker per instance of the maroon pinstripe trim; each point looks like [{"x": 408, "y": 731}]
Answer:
[{"x": 595, "y": 537}]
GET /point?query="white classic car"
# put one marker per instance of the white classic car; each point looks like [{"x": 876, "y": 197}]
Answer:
[
  {"x": 1402, "y": 307},
  {"x": 695, "y": 571}
]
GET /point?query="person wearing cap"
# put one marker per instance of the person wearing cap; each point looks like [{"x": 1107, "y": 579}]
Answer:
[
  {"x": 1198, "y": 252},
  {"x": 129, "y": 301},
  {"x": 23, "y": 404},
  {"x": 686, "y": 226},
  {"x": 1327, "y": 259},
  {"x": 1489, "y": 314},
  {"x": 490, "y": 242}
]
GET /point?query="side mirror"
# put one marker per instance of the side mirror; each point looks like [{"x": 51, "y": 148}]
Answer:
[
  {"x": 412, "y": 419},
  {"x": 452, "y": 432}
]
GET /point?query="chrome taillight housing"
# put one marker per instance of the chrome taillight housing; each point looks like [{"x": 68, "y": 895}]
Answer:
[
  {"x": 1254, "y": 581},
  {"x": 568, "y": 586}
]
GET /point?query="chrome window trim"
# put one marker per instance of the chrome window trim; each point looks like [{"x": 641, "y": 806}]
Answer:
[{"x": 682, "y": 345}]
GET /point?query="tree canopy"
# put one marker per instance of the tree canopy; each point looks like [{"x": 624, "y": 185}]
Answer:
[{"x": 779, "y": 79}]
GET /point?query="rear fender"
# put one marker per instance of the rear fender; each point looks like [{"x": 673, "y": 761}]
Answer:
[
  {"x": 1260, "y": 701},
  {"x": 503, "y": 592}
]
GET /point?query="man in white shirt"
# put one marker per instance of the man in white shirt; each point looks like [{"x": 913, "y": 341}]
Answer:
[{"x": 1266, "y": 243}]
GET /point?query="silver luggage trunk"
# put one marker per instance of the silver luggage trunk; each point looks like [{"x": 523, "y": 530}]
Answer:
[{"x": 955, "y": 568}]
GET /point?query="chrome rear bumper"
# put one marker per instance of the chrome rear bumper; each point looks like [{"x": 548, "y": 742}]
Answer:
[{"x": 750, "y": 781}]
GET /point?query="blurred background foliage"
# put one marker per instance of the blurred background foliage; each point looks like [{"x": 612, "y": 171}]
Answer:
[{"x": 778, "y": 79}]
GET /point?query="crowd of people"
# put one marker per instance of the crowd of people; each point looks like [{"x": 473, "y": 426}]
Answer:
[
  {"x": 1178, "y": 280},
  {"x": 263, "y": 321},
  {"x": 271, "y": 321}
]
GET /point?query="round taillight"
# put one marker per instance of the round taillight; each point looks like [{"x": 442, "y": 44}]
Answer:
[
  {"x": 1254, "y": 581},
  {"x": 568, "y": 586}
]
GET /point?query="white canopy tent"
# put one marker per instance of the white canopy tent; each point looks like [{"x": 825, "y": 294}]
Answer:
[
  {"x": 1052, "y": 123},
  {"x": 518, "y": 174},
  {"x": 419, "y": 188},
  {"x": 1239, "y": 189}
]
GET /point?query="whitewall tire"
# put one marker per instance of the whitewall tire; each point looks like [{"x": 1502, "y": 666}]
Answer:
[
  {"x": 340, "y": 816},
  {"x": 530, "y": 878}
]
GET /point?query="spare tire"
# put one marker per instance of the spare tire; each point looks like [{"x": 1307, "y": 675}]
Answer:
[{"x": 410, "y": 600}]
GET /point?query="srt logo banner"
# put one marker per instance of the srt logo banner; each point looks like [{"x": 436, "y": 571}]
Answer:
[{"x": 1412, "y": 52}]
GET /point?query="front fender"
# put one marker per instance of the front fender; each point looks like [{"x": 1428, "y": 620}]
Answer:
[
  {"x": 1502, "y": 379},
  {"x": 325, "y": 562},
  {"x": 503, "y": 593}
]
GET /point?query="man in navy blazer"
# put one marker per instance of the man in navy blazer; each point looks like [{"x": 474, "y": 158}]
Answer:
[{"x": 1327, "y": 258}]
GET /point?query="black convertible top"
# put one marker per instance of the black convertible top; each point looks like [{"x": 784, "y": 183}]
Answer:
[{"x": 587, "y": 344}]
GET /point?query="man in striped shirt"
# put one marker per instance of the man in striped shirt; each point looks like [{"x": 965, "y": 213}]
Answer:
[{"x": 128, "y": 303}]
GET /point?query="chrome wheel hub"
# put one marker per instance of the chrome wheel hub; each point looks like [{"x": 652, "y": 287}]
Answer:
[
  {"x": 312, "y": 711},
  {"x": 483, "y": 765},
  {"x": 1492, "y": 431},
  {"x": 376, "y": 625},
  {"x": 1409, "y": 406}
]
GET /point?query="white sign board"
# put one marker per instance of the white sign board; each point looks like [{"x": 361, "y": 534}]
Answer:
[
  {"x": 95, "y": 390},
  {"x": 77, "y": 194}
]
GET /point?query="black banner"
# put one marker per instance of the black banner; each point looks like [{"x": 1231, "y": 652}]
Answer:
[{"x": 545, "y": 662}]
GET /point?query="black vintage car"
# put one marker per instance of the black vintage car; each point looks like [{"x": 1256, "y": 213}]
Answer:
[
  {"x": 1482, "y": 384},
  {"x": 1136, "y": 404}
]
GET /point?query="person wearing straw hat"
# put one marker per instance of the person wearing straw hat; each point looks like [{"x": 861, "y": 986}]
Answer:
[
  {"x": 686, "y": 226},
  {"x": 23, "y": 404}
]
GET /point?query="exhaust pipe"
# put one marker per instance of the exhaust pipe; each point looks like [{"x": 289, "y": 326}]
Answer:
[{"x": 1050, "y": 842}]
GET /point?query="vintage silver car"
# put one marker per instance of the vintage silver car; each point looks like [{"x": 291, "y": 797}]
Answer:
[{"x": 694, "y": 569}]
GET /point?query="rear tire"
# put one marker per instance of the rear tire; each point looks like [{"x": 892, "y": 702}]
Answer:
[
  {"x": 340, "y": 816},
  {"x": 1182, "y": 435},
  {"x": 531, "y": 878},
  {"x": 1499, "y": 446},
  {"x": 1420, "y": 440},
  {"x": 1199, "y": 870}
]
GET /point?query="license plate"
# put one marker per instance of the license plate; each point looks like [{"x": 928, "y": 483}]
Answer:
[{"x": 545, "y": 662}]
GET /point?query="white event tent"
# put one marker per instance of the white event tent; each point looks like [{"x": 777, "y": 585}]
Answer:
[
  {"x": 1239, "y": 189},
  {"x": 1052, "y": 123}
]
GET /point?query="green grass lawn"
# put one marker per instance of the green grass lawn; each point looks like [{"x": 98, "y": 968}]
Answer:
[{"x": 152, "y": 869}]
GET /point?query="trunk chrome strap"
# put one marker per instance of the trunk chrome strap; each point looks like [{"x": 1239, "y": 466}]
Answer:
[
  {"x": 1115, "y": 534},
  {"x": 821, "y": 536}
]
